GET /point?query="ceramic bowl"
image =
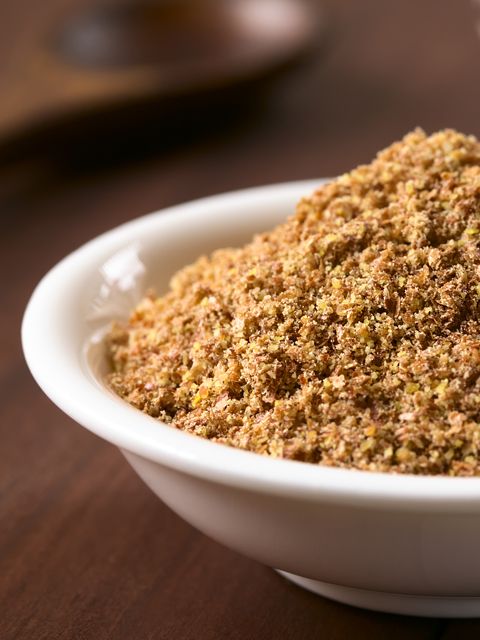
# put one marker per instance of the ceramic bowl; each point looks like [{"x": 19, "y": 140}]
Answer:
[{"x": 387, "y": 542}]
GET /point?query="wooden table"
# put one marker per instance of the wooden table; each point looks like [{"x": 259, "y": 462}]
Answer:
[{"x": 86, "y": 550}]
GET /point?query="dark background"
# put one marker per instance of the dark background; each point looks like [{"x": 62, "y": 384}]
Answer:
[{"x": 86, "y": 550}]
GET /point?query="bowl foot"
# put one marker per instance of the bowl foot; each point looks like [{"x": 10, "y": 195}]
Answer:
[{"x": 411, "y": 605}]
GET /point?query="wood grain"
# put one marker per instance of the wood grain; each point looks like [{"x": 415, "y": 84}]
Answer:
[{"x": 86, "y": 551}]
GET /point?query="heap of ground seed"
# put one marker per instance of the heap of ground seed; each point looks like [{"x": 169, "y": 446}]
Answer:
[{"x": 348, "y": 336}]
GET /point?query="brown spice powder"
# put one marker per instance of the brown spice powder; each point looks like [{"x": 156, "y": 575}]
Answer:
[{"x": 347, "y": 336}]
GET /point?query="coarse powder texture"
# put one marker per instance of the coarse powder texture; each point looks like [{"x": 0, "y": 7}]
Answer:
[{"x": 347, "y": 336}]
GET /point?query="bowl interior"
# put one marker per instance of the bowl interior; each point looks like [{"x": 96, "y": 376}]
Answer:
[
  {"x": 164, "y": 242},
  {"x": 161, "y": 243}
]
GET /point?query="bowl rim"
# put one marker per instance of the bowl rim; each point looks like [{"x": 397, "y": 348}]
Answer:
[{"x": 58, "y": 369}]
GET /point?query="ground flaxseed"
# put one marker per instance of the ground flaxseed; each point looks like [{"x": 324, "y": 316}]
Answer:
[{"x": 347, "y": 336}]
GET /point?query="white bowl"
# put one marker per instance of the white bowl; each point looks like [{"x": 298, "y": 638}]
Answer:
[{"x": 387, "y": 542}]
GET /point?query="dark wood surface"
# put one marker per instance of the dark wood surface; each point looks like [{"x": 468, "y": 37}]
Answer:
[
  {"x": 82, "y": 61},
  {"x": 86, "y": 550}
]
